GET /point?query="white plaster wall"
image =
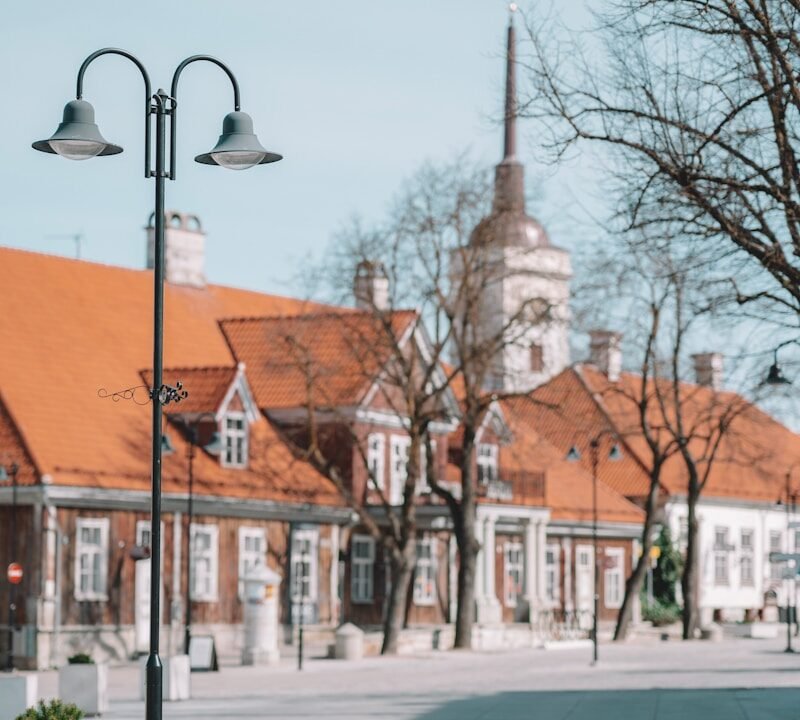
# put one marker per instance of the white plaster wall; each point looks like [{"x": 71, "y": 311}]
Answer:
[
  {"x": 736, "y": 597},
  {"x": 542, "y": 273}
]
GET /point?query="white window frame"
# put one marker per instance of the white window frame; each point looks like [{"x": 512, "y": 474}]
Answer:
[
  {"x": 552, "y": 573},
  {"x": 511, "y": 570},
  {"x": 587, "y": 552},
  {"x": 211, "y": 555},
  {"x": 486, "y": 455},
  {"x": 98, "y": 591},
  {"x": 238, "y": 439},
  {"x": 747, "y": 558},
  {"x": 721, "y": 557},
  {"x": 425, "y": 572},
  {"x": 362, "y": 570},
  {"x": 249, "y": 559},
  {"x": 614, "y": 577},
  {"x": 312, "y": 557},
  {"x": 399, "y": 449},
  {"x": 376, "y": 458}
]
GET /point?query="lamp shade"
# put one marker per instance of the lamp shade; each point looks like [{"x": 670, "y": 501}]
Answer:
[
  {"x": 775, "y": 376},
  {"x": 238, "y": 147},
  {"x": 77, "y": 137},
  {"x": 167, "y": 448},
  {"x": 214, "y": 445}
]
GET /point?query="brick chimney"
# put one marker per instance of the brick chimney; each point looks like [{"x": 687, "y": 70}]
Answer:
[
  {"x": 605, "y": 351},
  {"x": 709, "y": 370},
  {"x": 184, "y": 249},
  {"x": 371, "y": 286}
]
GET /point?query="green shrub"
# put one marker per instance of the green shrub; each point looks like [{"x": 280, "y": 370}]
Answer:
[
  {"x": 660, "y": 613},
  {"x": 54, "y": 710},
  {"x": 80, "y": 659}
]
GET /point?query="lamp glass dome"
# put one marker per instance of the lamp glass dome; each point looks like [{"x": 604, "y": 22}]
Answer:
[
  {"x": 238, "y": 147},
  {"x": 77, "y": 137},
  {"x": 238, "y": 160},
  {"x": 77, "y": 149},
  {"x": 3, "y": 473}
]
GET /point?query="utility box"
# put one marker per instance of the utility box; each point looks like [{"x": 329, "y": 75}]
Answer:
[
  {"x": 349, "y": 642},
  {"x": 262, "y": 590}
]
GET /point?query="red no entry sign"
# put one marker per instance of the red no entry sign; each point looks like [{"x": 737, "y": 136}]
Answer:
[{"x": 14, "y": 573}]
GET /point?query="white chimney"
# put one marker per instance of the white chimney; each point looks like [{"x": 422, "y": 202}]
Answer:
[
  {"x": 605, "y": 351},
  {"x": 709, "y": 370},
  {"x": 184, "y": 249},
  {"x": 371, "y": 286}
]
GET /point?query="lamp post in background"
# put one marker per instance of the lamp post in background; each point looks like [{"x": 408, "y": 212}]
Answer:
[
  {"x": 12, "y": 471},
  {"x": 574, "y": 455},
  {"x": 213, "y": 447},
  {"x": 79, "y": 138},
  {"x": 776, "y": 377}
]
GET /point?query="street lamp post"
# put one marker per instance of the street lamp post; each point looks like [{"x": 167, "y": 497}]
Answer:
[
  {"x": 574, "y": 455},
  {"x": 12, "y": 591},
  {"x": 790, "y": 499},
  {"x": 78, "y": 138},
  {"x": 776, "y": 377}
]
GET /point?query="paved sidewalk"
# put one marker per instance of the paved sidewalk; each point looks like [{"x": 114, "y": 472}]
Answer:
[{"x": 732, "y": 680}]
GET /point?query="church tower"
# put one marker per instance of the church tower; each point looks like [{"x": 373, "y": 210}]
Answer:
[{"x": 527, "y": 295}]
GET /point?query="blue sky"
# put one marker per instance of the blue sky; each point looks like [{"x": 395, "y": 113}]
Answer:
[{"x": 355, "y": 94}]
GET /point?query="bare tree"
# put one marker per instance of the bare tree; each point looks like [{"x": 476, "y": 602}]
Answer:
[
  {"x": 434, "y": 263},
  {"x": 697, "y": 103},
  {"x": 680, "y": 421}
]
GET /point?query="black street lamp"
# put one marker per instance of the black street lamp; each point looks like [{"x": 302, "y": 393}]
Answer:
[
  {"x": 12, "y": 471},
  {"x": 791, "y": 571},
  {"x": 213, "y": 447},
  {"x": 78, "y": 138},
  {"x": 574, "y": 455}
]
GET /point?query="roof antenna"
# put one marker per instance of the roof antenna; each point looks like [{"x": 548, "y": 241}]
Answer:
[{"x": 77, "y": 238}]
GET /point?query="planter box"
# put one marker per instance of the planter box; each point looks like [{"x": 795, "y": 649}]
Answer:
[
  {"x": 85, "y": 686},
  {"x": 18, "y": 692}
]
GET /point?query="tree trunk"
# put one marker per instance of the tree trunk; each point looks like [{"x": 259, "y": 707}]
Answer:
[
  {"x": 464, "y": 522},
  {"x": 402, "y": 570},
  {"x": 689, "y": 588},
  {"x": 465, "y": 611},
  {"x": 634, "y": 583}
]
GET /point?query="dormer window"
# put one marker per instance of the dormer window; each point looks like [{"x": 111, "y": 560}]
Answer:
[
  {"x": 234, "y": 439},
  {"x": 487, "y": 463}
]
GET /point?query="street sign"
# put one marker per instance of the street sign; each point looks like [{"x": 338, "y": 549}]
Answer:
[
  {"x": 776, "y": 557},
  {"x": 14, "y": 573}
]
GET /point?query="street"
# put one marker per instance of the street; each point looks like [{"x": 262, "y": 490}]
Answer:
[{"x": 730, "y": 680}]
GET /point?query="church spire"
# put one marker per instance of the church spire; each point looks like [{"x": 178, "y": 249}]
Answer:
[
  {"x": 510, "y": 138},
  {"x": 509, "y": 184}
]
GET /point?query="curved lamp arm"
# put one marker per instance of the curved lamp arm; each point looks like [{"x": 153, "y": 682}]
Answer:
[
  {"x": 147, "y": 91},
  {"x": 174, "y": 95}
]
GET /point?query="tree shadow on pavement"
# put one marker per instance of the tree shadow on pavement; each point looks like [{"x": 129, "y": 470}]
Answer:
[{"x": 653, "y": 704}]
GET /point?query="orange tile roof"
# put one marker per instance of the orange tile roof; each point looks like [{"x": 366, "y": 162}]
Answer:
[
  {"x": 568, "y": 487},
  {"x": 752, "y": 461},
  {"x": 562, "y": 411},
  {"x": 334, "y": 356},
  {"x": 70, "y": 328}
]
